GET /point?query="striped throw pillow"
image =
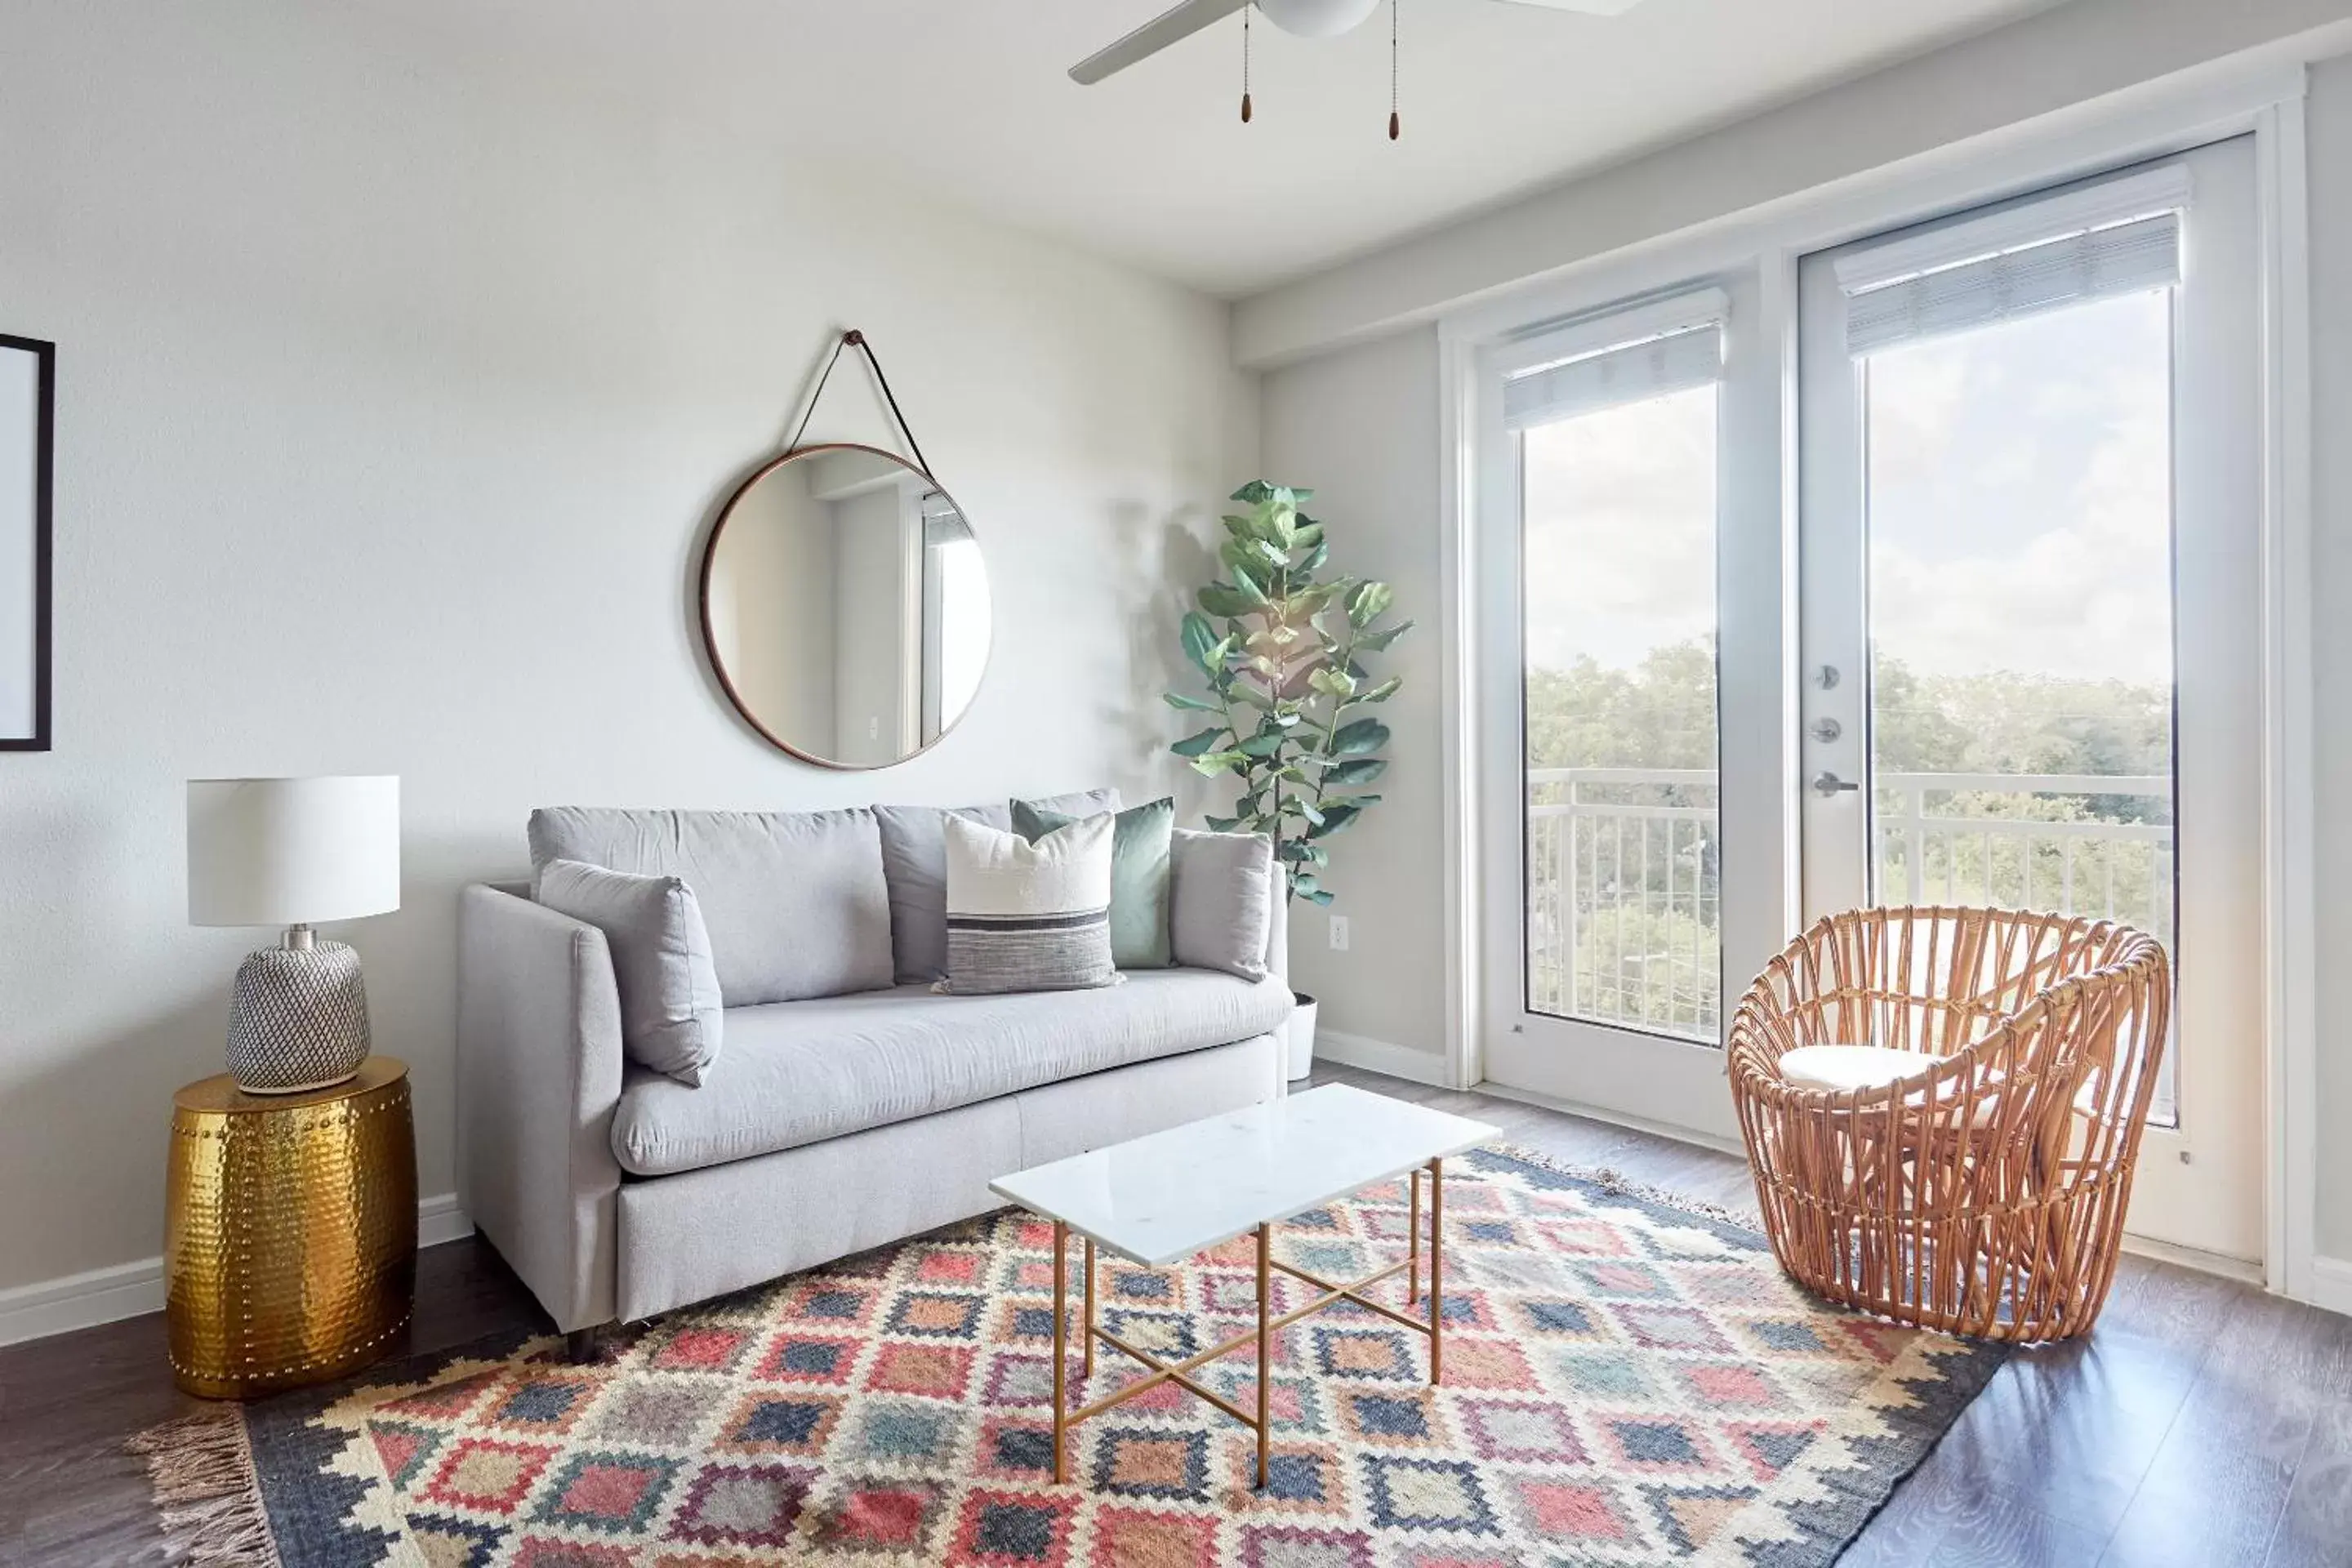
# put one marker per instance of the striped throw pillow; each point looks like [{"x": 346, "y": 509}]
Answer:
[{"x": 1028, "y": 917}]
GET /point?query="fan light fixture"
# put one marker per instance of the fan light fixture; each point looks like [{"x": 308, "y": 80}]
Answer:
[{"x": 1307, "y": 19}]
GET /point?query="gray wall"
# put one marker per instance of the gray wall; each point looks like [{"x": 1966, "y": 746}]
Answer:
[{"x": 395, "y": 391}]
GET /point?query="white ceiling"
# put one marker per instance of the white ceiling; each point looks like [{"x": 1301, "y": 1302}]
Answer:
[{"x": 968, "y": 99}]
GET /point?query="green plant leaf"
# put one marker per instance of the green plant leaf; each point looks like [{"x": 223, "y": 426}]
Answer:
[
  {"x": 1177, "y": 700},
  {"x": 1293, "y": 849},
  {"x": 1378, "y": 640},
  {"x": 1320, "y": 897},
  {"x": 1262, "y": 744},
  {"x": 1369, "y": 602},
  {"x": 1225, "y": 600},
  {"x": 1305, "y": 885},
  {"x": 1196, "y": 745},
  {"x": 1337, "y": 815},
  {"x": 1200, "y": 640},
  {"x": 1353, "y": 772},
  {"x": 1330, "y": 682},
  {"x": 1383, "y": 691},
  {"x": 1308, "y": 535},
  {"x": 1359, "y": 739},
  {"x": 1248, "y": 563},
  {"x": 1211, "y": 764},
  {"x": 1315, "y": 558},
  {"x": 1239, "y": 526},
  {"x": 1253, "y": 493},
  {"x": 1222, "y": 824}
]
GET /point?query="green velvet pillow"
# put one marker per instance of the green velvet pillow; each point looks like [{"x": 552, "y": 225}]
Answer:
[{"x": 1140, "y": 837}]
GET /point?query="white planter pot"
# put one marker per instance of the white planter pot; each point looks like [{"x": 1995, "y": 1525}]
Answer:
[{"x": 1302, "y": 1036}]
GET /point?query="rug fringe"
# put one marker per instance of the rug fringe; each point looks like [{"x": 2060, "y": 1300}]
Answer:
[
  {"x": 1609, "y": 1179},
  {"x": 200, "y": 1472}
]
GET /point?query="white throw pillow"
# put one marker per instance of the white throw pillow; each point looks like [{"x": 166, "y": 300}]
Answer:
[
  {"x": 670, "y": 1008},
  {"x": 1028, "y": 917}
]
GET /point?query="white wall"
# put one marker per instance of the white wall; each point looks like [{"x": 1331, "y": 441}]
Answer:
[
  {"x": 1361, "y": 428},
  {"x": 2041, "y": 65},
  {"x": 1359, "y": 421},
  {"x": 2328, "y": 124},
  {"x": 394, "y": 403}
]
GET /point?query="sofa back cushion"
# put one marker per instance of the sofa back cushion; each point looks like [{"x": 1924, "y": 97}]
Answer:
[
  {"x": 794, "y": 901},
  {"x": 915, "y": 862}
]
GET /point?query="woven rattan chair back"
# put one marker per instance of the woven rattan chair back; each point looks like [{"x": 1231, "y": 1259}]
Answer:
[{"x": 1985, "y": 1195}]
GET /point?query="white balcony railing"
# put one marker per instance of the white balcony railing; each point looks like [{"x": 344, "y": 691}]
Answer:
[{"x": 1624, "y": 879}]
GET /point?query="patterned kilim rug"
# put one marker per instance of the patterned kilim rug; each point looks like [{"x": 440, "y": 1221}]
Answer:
[{"x": 1627, "y": 1382}]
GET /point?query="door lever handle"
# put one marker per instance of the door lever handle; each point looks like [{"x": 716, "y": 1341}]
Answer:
[{"x": 1830, "y": 786}]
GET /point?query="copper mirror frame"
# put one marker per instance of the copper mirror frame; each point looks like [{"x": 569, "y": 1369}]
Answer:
[{"x": 930, "y": 705}]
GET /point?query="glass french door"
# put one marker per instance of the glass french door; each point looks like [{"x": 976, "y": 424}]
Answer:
[
  {"x": 1632, "y": 513},
  {"x": 2031, "y": 491},
  {"x": 2008, "y": 652}
]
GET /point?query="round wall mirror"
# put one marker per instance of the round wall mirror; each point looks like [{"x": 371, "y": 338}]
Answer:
[{"x": 845, "y": 606}]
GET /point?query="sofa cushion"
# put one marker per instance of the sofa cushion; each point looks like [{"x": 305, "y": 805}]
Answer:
[
  {"x": 794, "y": 901},
  {"x": 1025, "y": 916},
  {"x": 671, "y": 1015},
  {"x": 1138, "y": 875},
  {"x": 1221, "y": 903},
  {"x": 914, "y": 863},
  {"x": 807, "y": 1071}
]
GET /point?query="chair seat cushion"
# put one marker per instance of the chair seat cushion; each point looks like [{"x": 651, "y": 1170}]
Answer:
[
  {"x": 1841, "y": 1069},
  {"x": 800, "y": 1072}
]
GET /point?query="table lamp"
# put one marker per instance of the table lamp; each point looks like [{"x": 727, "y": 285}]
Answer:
[{"x": 294, "y": 853}]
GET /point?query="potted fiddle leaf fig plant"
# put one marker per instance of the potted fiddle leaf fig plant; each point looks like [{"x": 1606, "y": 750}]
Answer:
[{"x": 1290, "y": 698}]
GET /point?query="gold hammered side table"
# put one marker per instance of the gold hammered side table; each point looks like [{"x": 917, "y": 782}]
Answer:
[{"x": 289, "y": 1252}]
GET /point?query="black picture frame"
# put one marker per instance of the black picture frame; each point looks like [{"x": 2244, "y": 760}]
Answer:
[{"x": 41, "y": 526}]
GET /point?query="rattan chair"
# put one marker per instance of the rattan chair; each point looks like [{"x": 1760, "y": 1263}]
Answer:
[{"x": 1981, "y": 1192}]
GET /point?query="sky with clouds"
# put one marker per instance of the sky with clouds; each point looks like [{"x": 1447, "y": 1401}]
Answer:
[{"x": 2020, "y": 507}]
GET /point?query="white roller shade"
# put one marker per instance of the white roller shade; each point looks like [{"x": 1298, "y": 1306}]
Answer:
[
  {"x": 1676, "y": 361},
  {"x": 2122, "y": 238}
]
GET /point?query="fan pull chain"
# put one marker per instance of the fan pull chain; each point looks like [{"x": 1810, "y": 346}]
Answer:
[
  {"x": 1396, "y": 125},
  {"x": 1246, "y": 63}
]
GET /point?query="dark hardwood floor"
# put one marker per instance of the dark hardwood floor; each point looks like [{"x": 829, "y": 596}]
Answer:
[{"x": 2203, "y": 1425}]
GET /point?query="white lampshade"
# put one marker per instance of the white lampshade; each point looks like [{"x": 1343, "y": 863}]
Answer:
[{"x": 283, "y": 852}]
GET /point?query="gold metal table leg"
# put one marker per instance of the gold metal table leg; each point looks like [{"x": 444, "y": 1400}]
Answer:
[
  {"x": 1412, "y": 1235},
  {"x": 1265, "y": 1361},
  {"x": 1061, "y": 1343},
  {"x": 1089, "y": 1366},
  {"x": 1436, "y": 1272}
]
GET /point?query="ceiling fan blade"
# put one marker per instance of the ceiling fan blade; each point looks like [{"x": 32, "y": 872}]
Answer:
[{"x": 1153, "y": 37}]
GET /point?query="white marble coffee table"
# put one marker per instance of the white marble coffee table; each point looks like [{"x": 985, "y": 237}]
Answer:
[{"x": 1160, "y": 1199}]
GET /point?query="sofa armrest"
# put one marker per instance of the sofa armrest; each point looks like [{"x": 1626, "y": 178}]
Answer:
[{"x": 539, "y": 1076}]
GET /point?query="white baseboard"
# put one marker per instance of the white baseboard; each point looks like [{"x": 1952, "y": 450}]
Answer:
[
  {"x": 2243, "y": 1270},
  {"x": 1668, "y": 1131},
  {"x": 132, "y": 1290},
  {"x": 1381, "y": 1057},
  {"x": 2331, "y": 1284}
]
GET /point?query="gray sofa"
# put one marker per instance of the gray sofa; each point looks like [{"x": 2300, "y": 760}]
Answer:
[{"x": 835, "y": 1120}]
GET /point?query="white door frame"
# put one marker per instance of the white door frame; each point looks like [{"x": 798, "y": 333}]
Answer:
[{"x": 1764, "y": 245}]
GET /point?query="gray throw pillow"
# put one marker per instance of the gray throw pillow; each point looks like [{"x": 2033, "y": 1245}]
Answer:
[
  {"x": 1140, "y": 839},
  {"x": 915, "y": 864},
  {"x": 1028, "y": 917},
  {"x": 795, "y": 900},
  {"x": 670, "y": 1009},
  {"x": 1221, "y": 900}
]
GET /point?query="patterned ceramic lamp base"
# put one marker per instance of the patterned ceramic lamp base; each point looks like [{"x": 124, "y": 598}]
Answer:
[{"x": 299, "y": 1020}]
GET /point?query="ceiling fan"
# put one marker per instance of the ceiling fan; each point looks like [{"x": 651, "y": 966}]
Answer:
[{"x": 1307, "y": 18}]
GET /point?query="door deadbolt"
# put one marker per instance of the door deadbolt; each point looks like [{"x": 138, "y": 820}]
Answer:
[{"x": 1827, "y": 729}]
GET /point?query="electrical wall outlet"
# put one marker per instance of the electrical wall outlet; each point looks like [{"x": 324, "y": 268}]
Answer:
[{"x": 1338, "y": 933}]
